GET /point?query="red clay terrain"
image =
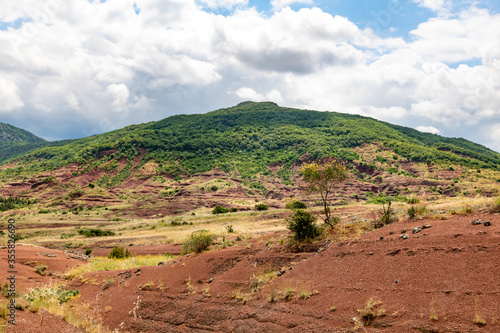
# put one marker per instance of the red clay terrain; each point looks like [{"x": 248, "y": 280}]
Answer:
[{"x": 440, "y": 279}]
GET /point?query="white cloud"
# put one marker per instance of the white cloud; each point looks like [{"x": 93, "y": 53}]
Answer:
[
  {"x": 249, "y": 94},
  {"x": 9, "y": 96},
  {"x": 120, "y": 94},
  {"x": 223, "y": 3},
  {"x": 438, "y": 6},
  {"x": 78, "y": 62},
  {"x": 428, "y": 129},
  {"x": 494, "y": 137},
  {"x": 279, "y": 4}
]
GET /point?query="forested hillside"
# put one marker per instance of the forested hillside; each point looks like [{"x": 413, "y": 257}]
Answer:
[{"x": 251, "y": 136}]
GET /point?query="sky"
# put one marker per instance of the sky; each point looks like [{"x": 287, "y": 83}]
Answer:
[{"x": 74, "y": 68}]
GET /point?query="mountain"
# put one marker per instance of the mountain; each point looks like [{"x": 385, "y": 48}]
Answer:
[
  {"x": 9, "y": 133},
  {"x": 261, "y": 145},
  {"x": 256, "y": 135},
  {"x": 15, "y": 141}
]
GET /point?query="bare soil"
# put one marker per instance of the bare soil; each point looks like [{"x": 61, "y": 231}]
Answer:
[{"x": 437, "y": 280}]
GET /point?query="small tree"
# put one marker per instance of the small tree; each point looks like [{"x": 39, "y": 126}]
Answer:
[
  {"x": 322, "y": 178},
  {"x": 302, "y": 226}
]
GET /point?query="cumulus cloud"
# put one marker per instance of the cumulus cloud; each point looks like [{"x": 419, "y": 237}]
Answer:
[
  {"x": 434, "y": 5},
  {"x": 279, "y": 4},
  {"x": 223, "y": 3},
  {"x": 9, "y": 96},
  {"x": 428, "y": 129},
  {"x": 103, "y": 65},
  {"x": 249, "y": 94},
  {"x": 120, "y": 94}
]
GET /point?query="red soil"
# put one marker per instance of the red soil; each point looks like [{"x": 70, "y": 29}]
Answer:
[{"x": 450, "y": 270}]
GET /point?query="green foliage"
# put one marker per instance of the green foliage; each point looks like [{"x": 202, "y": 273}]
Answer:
[
  {"x": 230, "y": 228},
  {"x": 219, "y": 210},
  {"x": 322, "y": 178},
  {"x": 15, "y": 203},
  {"x": 198, "y": 242},
  {"x": 387, "y": 216},
  {"x": 118, "y": 252},
  {"x": 40, "y": 294},
  {"x": 261, "y": 206},
  {"x": 295, "y": 204},
  {"x": 88, "y": 252},
  {"x": 245, "y": 139},
  {"x": 302, "y": 225},
  {"x": 412, "y": 212},
  {"x": 95, "y": 232}
]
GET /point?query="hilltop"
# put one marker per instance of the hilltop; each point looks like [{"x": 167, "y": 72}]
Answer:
[{"x": 250, "y": 151}]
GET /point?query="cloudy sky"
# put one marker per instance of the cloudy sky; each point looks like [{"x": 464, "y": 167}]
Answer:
[{"x": 73, "y": 68}]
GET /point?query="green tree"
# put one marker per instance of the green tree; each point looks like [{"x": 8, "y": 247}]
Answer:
[
  {"x": 322, "y": 178},
  {"x": 302, "y": 226}
]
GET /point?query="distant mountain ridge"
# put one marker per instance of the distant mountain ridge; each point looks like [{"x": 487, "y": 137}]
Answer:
[
  {"x": 250, "y": 136},
  {"x": 10, "y": 133}
]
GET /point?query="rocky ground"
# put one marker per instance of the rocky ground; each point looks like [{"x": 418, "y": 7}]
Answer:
[{"x": 441, "y": 277}]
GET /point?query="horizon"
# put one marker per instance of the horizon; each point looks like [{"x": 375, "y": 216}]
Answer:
[{"x": 80, "y": 68}]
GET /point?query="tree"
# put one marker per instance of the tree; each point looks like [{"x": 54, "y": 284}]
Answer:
[
  {"x": 302, "y": 225},
  {"x": 322, "y": 178}
]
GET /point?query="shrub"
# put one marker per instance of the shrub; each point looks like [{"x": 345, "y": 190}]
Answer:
[
  {"x": 368, "y": 313},
  {"x": 261, "y": 206},
  {"x": 412, "y": 200},
  {"x": 95, "y": 232},
  {"x": 88, "y": 252},
  {"x": 41, "y": 269},
  {"x": 198, "y": 242},
  {"x": 302, "y": 225},
  {"x": 412, "y": 212},
  {"x": 230, "y": 228},
  {"x": 118, "y": 252},
  {"x": 387, "y": 216},
  {"x": 295, "y": 204},
  {"x": 233, "y": 210},
  {"x": 219, "y": 210}
]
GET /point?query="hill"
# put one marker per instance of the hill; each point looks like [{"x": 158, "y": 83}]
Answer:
[
  {"x": 253, "y": 149},
  {"x": 15, "y": 141},
  {"x": 9, "y": 133}
]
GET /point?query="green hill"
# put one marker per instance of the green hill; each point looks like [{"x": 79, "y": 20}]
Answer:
[
  {"x": 15, "y": 141},
  {"x": 247, "y": 138},
  {"x": 9, "y": 133}
]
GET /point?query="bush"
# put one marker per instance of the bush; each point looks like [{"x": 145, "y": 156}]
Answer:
[
  {"x": 261, "y": 206},
  {"x": 219, "y": 210},
  {"x": 302, "y": 225},
  {"x": 387, "y": 216},
  {"x": 233, "y": 210},
  {"x": 88, "y": 252},
  {"x": 296, "y": 205},
  {"x": 412, "y": 212},
  {"x": 95, "y": 232},
  {"x": 118, "y": 252},
  {"x": 198, "y": 242}
]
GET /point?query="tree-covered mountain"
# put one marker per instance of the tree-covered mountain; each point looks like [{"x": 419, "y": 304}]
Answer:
[
  {"x": 249, "y": 137},
  {"x": 9, "y": 133},
  {"x": 15, "y": 141}
]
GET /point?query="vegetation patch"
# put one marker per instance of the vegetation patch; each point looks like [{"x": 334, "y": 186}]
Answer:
[
  {"x": 105, "y": 264},
  {"x": 198, "y": 242},
  {"x": 95, "y": 232}
]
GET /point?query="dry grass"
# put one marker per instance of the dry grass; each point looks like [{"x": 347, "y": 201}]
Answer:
[
  {"x": 72, "y": 310},
  {"x": 106, "y": 264}
]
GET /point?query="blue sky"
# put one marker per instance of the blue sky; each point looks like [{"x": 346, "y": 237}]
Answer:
[{"x": 73, "y": 68}]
